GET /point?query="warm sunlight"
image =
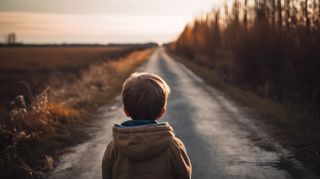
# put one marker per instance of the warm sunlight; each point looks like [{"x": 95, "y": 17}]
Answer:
[
  {"x": 99, "y": 21},
  {"x": 159, "y": 89},
  {"x": 36, "y": 27}
]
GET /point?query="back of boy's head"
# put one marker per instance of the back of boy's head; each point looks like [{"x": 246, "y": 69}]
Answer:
[{"x": 144, "y": 96}]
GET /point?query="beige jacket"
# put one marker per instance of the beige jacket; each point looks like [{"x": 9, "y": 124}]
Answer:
[{"x": 145, "y": 152}]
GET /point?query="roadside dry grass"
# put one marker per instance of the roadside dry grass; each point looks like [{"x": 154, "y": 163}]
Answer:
[
  {"x": 95, "y": 84},
  {"x": 31, "y": 136},
  {"x": 293, "y": 127}
]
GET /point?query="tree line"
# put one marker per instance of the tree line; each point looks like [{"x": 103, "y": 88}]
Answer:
[{"x": 269, "y": 46}]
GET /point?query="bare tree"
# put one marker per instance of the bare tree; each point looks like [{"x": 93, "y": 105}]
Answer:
[
  {"x": 279, "y": 15},
  {"x": 287, "y": 17},
  {"x": 245, "y": 13},
  {"x": 273, "y": 13},
  {"x": 235, "y": 11},
  {"x": 306, "y": 14},
  {"x": 10, "y": 38},
  {"x": 315, "y": 17}
]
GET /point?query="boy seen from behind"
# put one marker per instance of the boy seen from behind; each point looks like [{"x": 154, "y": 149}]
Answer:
[{"x": 144, "y": 147}]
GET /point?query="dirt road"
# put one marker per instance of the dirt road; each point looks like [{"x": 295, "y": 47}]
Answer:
[{"x": 221, "y": 138}]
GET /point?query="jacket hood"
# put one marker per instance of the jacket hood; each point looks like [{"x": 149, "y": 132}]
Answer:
[{"x": 143, "y": 142}]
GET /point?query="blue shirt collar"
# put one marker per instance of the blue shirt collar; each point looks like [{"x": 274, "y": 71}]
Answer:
[{"x": 140, "y": 122}]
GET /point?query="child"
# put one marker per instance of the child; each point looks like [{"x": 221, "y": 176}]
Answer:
[{"x": 143, "y": 147}]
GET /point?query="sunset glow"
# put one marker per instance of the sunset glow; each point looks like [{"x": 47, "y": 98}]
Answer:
[{"x": 105, "y": 21}]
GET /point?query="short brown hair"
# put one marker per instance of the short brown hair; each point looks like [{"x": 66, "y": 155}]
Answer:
[{"x": 144, "y": 95}]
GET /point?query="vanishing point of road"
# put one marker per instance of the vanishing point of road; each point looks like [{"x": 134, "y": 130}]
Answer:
[{"x": 222, "y": 139}]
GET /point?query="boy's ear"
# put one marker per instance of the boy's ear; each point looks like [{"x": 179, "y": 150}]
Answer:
[
  {"x": 162, "y": 112},
  {"x": 125, "y": 111}
]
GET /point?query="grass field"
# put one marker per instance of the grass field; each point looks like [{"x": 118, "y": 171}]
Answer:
[
  {"x": 37, "y": 65},
  {"x": 53, "y": 58}
]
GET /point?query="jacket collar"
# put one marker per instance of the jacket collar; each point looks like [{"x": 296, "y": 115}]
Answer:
[{"x": 139, "y": 122}]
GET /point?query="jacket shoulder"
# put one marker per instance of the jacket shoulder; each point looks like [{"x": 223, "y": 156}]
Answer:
[
  {"x": 177, "y": 144},
  {"x": 183, "y": 167}
]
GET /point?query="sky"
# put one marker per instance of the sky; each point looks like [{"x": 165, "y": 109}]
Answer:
[{"x": 99, "y": 21}]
